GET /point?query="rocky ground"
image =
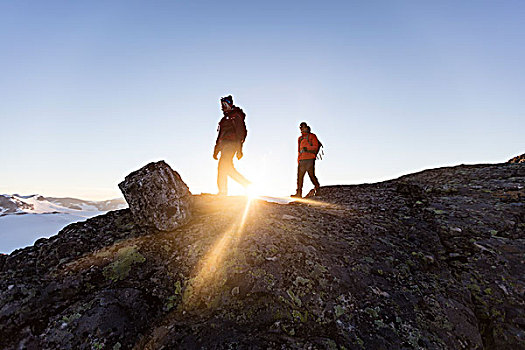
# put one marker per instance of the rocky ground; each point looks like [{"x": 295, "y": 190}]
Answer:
[{"x": 433, "y": 260}]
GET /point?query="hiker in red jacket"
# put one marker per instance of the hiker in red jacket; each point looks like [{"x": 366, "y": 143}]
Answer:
[
  {"x": 308, "y": 147},
  {"x": 231, "y": 135}
]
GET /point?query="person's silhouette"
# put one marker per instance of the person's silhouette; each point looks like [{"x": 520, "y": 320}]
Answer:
[
  {"x": 230, "y": 139},
  {"x": 308, "y": 147}
]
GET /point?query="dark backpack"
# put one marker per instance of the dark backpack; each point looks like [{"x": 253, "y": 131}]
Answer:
[{"x": 240, "y": 125}]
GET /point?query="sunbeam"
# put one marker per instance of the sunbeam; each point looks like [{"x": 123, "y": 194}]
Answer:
[{"x": 209, "y": 268}]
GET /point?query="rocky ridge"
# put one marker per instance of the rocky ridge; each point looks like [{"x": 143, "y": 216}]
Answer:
[{"x": 432, "y": 260}]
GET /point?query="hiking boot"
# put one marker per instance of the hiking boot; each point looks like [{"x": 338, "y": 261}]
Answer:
[
  {"x": 311, "y": 193},
  {"x": 298, "y": 194}
]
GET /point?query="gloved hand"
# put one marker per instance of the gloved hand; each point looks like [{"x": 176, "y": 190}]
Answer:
[{"x": 239, "y": 154}]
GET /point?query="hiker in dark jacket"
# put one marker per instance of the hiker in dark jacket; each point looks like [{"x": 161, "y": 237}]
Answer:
[
  {"x": 230, "y": 139},
  {"x": 308, "y": 147}
]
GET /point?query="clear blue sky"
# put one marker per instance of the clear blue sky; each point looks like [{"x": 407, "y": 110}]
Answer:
[{"x": 91, "y": 90}]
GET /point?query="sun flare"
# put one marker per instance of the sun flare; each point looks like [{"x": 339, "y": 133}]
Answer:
[
  {"x": 210, "y": 272},
  {"x": 253, "y": 191}
]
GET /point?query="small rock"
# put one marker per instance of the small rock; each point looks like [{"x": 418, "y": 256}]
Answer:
[
  {"x": 235, "y": 291},
  {"x": 429, "y": 259},
  {"x": 379, "y": 292},
  {"x": 483, "y": 249},
  {"x": 503, "y": 288},
  {"x": 289, "y": 217}
]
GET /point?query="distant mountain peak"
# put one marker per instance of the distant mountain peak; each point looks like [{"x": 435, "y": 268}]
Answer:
[
  {"x": 38, "y": 204},
  {"x": 25, "y": 197}
]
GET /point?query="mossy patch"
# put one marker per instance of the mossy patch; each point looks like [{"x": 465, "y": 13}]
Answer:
[
  {"x": 339, "y": 311},
  {"x": 120, "y": 268},
  {"x": 296, "y": 300}
]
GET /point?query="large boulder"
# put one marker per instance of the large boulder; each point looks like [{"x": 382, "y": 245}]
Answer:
[{"x": 157, "y": 197}]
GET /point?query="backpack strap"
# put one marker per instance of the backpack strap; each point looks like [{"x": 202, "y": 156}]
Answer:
[{"x": 307, "y": 136}]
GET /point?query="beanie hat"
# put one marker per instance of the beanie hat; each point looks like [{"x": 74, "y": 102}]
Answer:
[{"x": 228, "y": 99}]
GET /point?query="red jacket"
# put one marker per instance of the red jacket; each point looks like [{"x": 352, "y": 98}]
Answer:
[{"x": 308, "y": 146}]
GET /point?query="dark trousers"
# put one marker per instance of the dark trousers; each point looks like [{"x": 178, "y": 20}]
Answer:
[
  {"x": 306, "y": 165},
  {"x": 226, "y": 168}
]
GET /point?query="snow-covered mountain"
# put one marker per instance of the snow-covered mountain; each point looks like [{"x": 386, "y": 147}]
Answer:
[
  {"x": 37, "y": 204},
  {"x": 24, "y": 219}
]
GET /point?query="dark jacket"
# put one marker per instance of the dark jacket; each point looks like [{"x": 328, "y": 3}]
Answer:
[{"x": 232, "y": 128}]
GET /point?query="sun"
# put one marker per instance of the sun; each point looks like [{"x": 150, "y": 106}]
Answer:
[{"x": 253, "y": 191}]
